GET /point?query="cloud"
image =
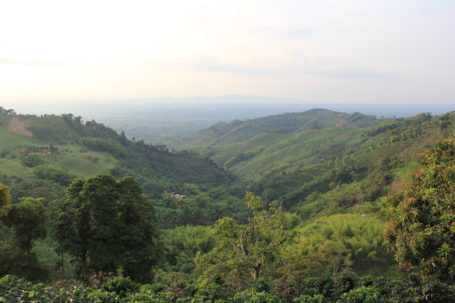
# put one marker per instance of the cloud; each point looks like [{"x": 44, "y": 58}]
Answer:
[{"x": 30, "y": 63}]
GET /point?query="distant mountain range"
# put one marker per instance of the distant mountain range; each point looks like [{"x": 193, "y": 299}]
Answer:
[{"x": 166, "y": 120}]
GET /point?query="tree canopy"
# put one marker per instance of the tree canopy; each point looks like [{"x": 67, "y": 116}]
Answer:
[
  {"x": 422, "y": 217},
  {"x": 21, "y": 224},
  {"x": 244, "y": 252},
  {"x": 108, "y": 226}
]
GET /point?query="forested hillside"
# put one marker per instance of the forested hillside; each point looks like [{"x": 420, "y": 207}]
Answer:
[
  {"x": 238, "y": 131},
  {"x": 38, "y": 145},
  {"x": 333, "y": 168},
  {"x": 327, "y": 207},
  {"x": 40, "y": 156}
]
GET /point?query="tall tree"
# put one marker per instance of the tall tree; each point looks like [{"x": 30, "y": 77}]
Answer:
[
  {"x": 107, "y": 225},
  {"x": 21, "y": 224},
  {"x": 244, "y": 252},
  {"x": 422, "y": 217},
  {"x": 27, "y": 220}
]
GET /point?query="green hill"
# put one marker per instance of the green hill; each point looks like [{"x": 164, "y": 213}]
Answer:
[
  {"x": 36, "y": 151},
  {"x": 239, "y": 131},
  {"x": 253, "y": 148},
  {"x": 330, "y": 169},
  {"x": 334, "y": 182}
]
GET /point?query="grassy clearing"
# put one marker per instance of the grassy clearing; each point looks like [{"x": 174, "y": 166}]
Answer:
[
  {"x": 12, "y": 167},
  {"x": 83, "y": 164},
  {"x": 13, "y": 142}
]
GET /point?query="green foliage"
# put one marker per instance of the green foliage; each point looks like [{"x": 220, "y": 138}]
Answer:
[
  {"x": 15, "y": 290},
  {"x": 337, "y": 242},
  {"x": 156, "y": 168},
  {"x": 32, "y": 161},
  {"x": 107, "y": 145},
  {"x": 430, "y": 291},
  {"x": 198, "y": 207},
  {"x": 23, "y": 223},
  {"x": 121, "y": 286},
  {"x": 309, "y": 299},
  {"x": 49, "y": 190},
  {"x": 254, "y": 296},
  {"x": 235, "y": 131},
  {"x": 182, "y": 244},
  {"x": 326, "y": 289},
  {"x": 422, "y": 230},
  {"x": 107, "y": 225},
  {"x": 316, "y": 166},
  {"x": 53, "y": 173},
  {"x": 27, "y": 221},
  {"x": 327, "y": 170},
  {"x": 362, "y": 294},
  {"x": 5, "y": 198},
  {"x": 243, "y": 252},
  {"x": 50, "y": 128}
]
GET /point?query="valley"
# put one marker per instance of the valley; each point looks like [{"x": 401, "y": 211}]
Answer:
[
  {"x": 318, "y": 182},
  {"x": 195, "y": 151}
]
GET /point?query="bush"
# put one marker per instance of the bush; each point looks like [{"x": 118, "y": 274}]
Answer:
[
  {"x": 53, "y": 173},
  {"x": 309, "y": 299},
  {"x": 362, "y": 294},
  {"x": 253, "y": 296},
  {"x": 32, "y": 161},
  {"x": 121, "y": 286},
  {"x": 105, "y": 145}
]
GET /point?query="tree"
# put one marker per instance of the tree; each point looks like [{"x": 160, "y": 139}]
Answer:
[
  {"x": 53, "y": 173},
  {"x": 337, "y": 242},
  {"x": 5, "y": 198},
  {"x": 22, "y": 224},
  {"x": 244, "y": 252},
  {"x": 32, "y": 161},
  {"x": 181, "y": 245},
  {"x": 421, "y": 230},
  {"x": 107, "y": 226},
  {"x": 27, "y": 220}
]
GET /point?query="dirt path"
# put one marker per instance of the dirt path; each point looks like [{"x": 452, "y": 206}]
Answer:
[{"x": 18, "y": 126}]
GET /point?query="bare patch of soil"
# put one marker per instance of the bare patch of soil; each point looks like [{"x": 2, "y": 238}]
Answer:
[{"x": 19, "y": 127}]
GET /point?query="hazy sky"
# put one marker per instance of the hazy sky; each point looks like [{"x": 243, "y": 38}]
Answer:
[{"x": 317, "y": 50}]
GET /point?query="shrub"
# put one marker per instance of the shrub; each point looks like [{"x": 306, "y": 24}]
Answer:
[
  {"x": 254, "y": 296},
  {"x": 121, "y": 286},
  {"x": 32, "y": 161},
  {"x": 362, "y": 294}
]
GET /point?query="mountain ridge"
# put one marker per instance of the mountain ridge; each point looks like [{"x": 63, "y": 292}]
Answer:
[
  {"x": 326, "y": 170},
  {"x": 83, "y": 148},
  {"x": 235, "y": 131}
]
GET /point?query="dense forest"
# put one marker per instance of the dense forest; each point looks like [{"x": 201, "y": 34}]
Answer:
[{"x": 318, "y": 206}]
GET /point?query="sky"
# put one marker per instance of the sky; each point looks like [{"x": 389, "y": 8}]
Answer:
[{"x": 342, "y": 51}]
